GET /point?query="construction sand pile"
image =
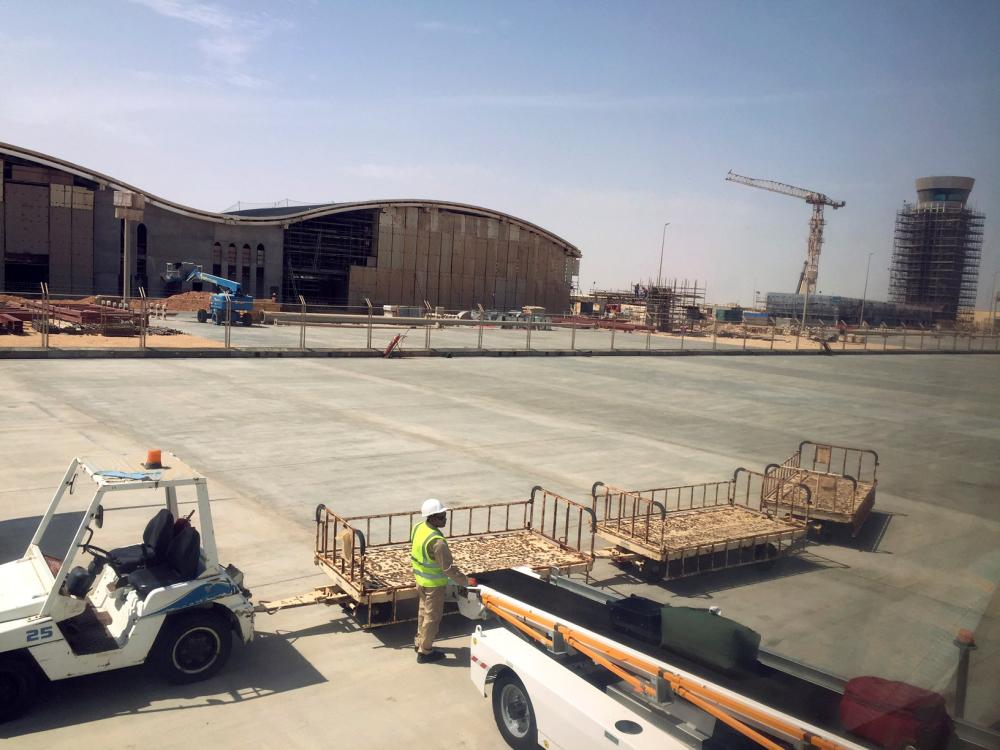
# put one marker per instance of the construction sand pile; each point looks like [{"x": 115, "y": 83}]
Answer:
[{"x": 188, "y": 301}]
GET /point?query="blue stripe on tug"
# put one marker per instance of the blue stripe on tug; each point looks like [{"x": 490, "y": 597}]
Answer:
[{"x": 204, "y": 593}]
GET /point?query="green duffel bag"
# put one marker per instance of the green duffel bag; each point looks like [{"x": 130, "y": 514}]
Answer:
[{"x": 709, "y": 639}]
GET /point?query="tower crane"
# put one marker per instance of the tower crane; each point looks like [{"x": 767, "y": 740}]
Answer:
[{"x": 810, "y": 269}]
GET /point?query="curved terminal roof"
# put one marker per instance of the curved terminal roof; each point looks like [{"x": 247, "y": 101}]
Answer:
[{"x": 274, "y": 216}]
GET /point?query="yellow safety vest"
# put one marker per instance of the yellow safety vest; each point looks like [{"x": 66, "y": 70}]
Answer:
[{"x": 425, "y": 569}]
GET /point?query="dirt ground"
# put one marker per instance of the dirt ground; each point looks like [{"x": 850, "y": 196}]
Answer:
[{"x": 77, "y": 341}]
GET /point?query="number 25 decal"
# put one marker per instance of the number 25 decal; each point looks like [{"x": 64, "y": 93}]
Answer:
[{"x": 40, "y": 634}]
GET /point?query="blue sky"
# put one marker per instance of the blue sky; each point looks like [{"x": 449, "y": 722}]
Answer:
[{"x": 599, "y": 121}]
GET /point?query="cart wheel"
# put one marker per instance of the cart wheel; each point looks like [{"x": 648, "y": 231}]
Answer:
[
  {"x": 202, "y": 316},
  {"x": 379, "y": 614},
  {"x": 191, "y": 647},
  {"x": 513, "y": 712},
  {"x": 18, "y": 685},
  {"x": 246, "y": 319},
  {"x": 653, "y": 571},
  {"x": 770, "y": 557}
]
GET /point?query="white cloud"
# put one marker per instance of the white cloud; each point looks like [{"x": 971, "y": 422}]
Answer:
[
  {"x": 201, "y": 14},
  {"x": 229, "y": 51},
  {"x": 444, "y": 27},
  {"x": 232, "y": 38}
]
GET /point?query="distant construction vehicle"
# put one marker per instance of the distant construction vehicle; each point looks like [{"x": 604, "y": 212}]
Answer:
[
  {"x": 231, "y": 296},
  {"x": 810, "y": 269}
]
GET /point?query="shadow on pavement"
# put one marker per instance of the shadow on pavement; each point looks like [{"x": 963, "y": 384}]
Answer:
[
  {"x": 869, "y": 538},
  {"x": 269, "y": 665},
  {"x": 705, "y": 584}
]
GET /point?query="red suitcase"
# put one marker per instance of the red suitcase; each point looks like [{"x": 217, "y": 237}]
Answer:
[{"x": 895, "y": 715}]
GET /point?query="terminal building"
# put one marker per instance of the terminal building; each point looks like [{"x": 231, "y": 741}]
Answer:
[{"x": 58, "y": 225}]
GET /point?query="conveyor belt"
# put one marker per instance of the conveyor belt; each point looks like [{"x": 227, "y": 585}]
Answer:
[{"x": 782, "y": 691}]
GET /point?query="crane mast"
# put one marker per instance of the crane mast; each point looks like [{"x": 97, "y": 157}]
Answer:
[{"x": 810, "y": 268}]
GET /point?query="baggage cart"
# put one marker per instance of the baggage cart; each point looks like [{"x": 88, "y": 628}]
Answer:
[
  {"x": 368, "y": 557},
  {"x": 674, "y": 532},
  {"x": 841, "y": 480}
]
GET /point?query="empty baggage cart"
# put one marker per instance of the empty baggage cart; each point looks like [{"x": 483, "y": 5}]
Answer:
[
  {"x": 673, "y": 532},
  {"x": 841, "y": 481}
]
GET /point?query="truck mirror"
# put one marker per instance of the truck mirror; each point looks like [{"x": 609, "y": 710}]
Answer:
[{"x": 99, "y": 517}]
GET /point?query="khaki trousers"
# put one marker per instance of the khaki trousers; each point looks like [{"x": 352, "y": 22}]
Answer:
[{"x": 429, "y": 616}]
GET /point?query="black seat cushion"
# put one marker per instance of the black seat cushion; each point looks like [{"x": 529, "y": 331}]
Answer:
[
  {"x": 179, "y": 564},
  {"x": 155, "y": 540}
]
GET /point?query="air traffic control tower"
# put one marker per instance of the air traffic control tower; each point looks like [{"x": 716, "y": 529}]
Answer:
[{"x": 938, "y": 245}]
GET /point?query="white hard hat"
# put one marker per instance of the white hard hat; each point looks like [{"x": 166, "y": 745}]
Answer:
[{"x": 431, "y": 507}]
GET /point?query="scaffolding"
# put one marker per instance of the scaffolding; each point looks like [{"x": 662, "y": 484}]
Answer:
[
  {"x": 669, "y": 306},
  {"x": 936, "y": 257},
  {"x": 319, "y": 254}
]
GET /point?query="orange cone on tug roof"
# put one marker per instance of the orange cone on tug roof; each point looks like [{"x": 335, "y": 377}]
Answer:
[{"x": 153, "y": 459}]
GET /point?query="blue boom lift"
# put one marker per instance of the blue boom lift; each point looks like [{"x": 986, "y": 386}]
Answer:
[{"x": 240, "y": 305}]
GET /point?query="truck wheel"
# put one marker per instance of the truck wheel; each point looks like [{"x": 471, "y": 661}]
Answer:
[
  {"x": 246, "y": 319},
  {"x": 202, "y": 316},
  {"x": 192, "y": 647},
  {"x": 217, "y": 318},
  {"x": 513, "y": 712},
  {"x": 18, "y": 686}
]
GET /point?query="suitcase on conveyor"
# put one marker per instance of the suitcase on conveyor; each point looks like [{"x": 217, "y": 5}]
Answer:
[{"x": 895, "y": 715}]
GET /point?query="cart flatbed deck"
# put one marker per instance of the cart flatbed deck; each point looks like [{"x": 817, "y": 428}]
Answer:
[
  {"x": 389, "y": 567},
  {"x": 701, "y": 528}
]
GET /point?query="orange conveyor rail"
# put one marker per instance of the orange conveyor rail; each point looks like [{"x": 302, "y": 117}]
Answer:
[{"x": 642, "y": 674}]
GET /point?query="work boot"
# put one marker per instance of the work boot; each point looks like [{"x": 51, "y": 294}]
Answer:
[{"x": 430, "y": 658}]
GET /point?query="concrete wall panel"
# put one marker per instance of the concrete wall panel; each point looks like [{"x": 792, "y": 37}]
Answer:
[
  {"x": 26, "y": 212},
  {"x": 60, "y": 250}
]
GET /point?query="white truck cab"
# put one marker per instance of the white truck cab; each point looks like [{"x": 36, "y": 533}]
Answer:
[{"x": 165, "y": 601}]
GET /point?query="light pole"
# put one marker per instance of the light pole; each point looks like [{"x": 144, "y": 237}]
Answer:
[
  {"x": 993, "y": 302},
  {"x": 864, "y": 294},
  {"x": 659, "y": 273}
]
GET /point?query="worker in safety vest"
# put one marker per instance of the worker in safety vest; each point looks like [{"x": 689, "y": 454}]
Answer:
[{"x": 432, "y": 567}]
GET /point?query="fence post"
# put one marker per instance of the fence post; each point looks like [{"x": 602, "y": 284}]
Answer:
[
  {"x": 866, "y": 338},
  {"x": 774, "y": 327},
  {"x": 885, "y": 340},
  {"x": 142, "y": 317},
  {"x": 482, "y": 320},
  {"x": 921, "y": 338},
  {"x": 45, "y": 315},
  {"x": 613, "y": 327},
  {"x": 527, "y": 325},
  {"x": 302, "y": 323},
  {"x": 427, "y": 333},
  {"x": 572, "y": 337},
  {"x": 715, "y": 325},
  {"x": 744, "y": 337},
  {"x": 229, "y": 320},
  {"x": 649, "y": 334},
  {"x": 683, "y": 331},
  {"x": 904, "y": 338},
  {"x": 370, "y": 321}
]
